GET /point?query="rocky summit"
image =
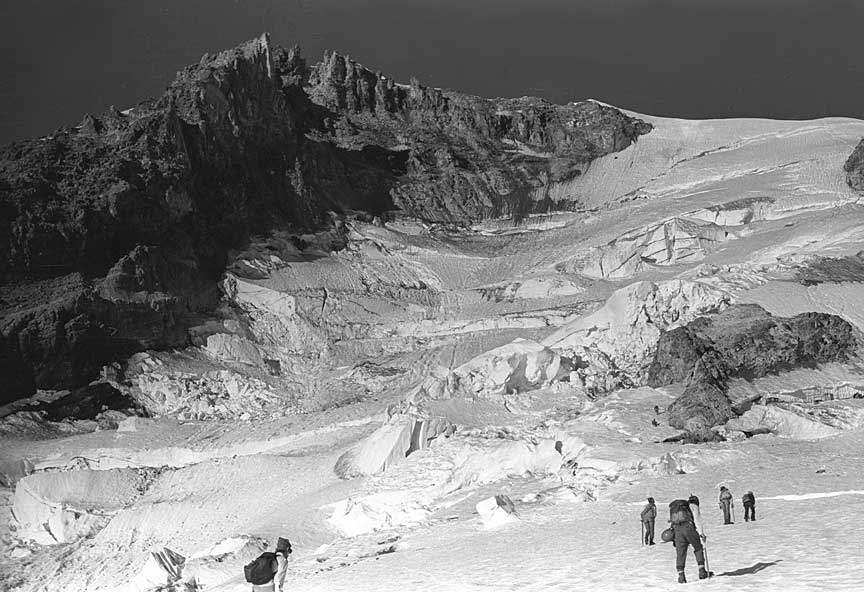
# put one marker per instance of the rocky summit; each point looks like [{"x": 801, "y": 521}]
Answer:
[{"x": 115, "y": 232}]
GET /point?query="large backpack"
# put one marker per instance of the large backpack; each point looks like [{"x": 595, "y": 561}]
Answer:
[
  {"x": 679, "y": 512},
  {"x": 260, "y": 571}
]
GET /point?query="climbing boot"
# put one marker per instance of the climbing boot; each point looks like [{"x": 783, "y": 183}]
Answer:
[
  {"x": 682, "y": 579},
  {"x": 703, "y": 573}
]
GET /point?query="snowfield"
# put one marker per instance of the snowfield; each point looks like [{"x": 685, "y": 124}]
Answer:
[{"x": 370, "y": 403}]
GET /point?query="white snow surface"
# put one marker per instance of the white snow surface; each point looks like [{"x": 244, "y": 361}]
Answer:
[{"x": 369, "y": 403}]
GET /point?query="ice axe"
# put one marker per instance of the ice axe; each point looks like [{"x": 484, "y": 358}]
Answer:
[{"x": 705, "y": 553}]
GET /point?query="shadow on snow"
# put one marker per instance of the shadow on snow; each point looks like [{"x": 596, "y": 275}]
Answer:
[{"x": 750, "y": 570}]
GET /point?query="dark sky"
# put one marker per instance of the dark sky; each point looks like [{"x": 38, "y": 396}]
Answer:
[{"x": 687, "y": 58}]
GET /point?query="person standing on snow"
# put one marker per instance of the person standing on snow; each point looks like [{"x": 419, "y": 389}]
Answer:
[
  {"x": 649, "y": 513},
  {"x": 688, "y": 530},
  {"x": 726, "y": 504},
  {"x": 749, "y": 501}
]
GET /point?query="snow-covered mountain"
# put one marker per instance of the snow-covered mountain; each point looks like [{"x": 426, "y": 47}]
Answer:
[{"x": 364, "y": 387}]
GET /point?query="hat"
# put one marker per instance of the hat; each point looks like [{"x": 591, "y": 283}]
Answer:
[
  {"x": 693, "y": 500},
  {"x": 651, "y": 500},
  {"x": 283, "y": 546},
  {"x": 722, "y": 487}
]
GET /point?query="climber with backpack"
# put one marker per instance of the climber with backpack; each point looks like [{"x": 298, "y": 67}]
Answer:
[
  {"x": 267, "y": 572},
  {"x": 749, "y": 501},
  {"x": 726, "y": 504},
  {"x": 687, "y": 530},
  {"x": 649, "y": 513}
]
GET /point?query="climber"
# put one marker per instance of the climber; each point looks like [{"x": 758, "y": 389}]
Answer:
[
  {"x": 726, "y": 504},
  {"x": 267, "y": 572},
  {"x": 688, "y": 530},
  {"x": 749, "y": 501},
  {"x": 649, "y": 513}
]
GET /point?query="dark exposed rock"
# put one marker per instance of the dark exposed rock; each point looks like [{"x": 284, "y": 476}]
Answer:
[
  {"x": 17, "y": 384},
  {"x": 854, "y": 167},
  {"x": 66, "y": 328},
  {"x": 469, "y": 157},
  {"x": 748, "y": 342},
  {"x": 86, "y": 403},
  {"x": 756, "y": 432},
  {"x": 832, "y": 269},
  {"x": 114, "y": 233},
  {"x": 677, "y": 353},
  {"x": 701, "y": 406},
  {"x": 699, "y": 436},
  {"x": 742, "y": 341}
]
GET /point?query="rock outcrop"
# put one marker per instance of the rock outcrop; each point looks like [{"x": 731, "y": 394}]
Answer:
[
  {"x": 822, "y": 270},
  {"x": 114, "y": 233},
  {"x": 743, "y": 341},
  {"x": 613, "y": 347},
  {"x": 854, "y": 168},
  {"x": 704, "y": 403},
  {"x": 86, "y": 403}
]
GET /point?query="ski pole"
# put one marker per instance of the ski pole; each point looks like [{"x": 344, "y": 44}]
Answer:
[
  {"x": 733, "y": 511},
  {"x": 643, "y": 532}
]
